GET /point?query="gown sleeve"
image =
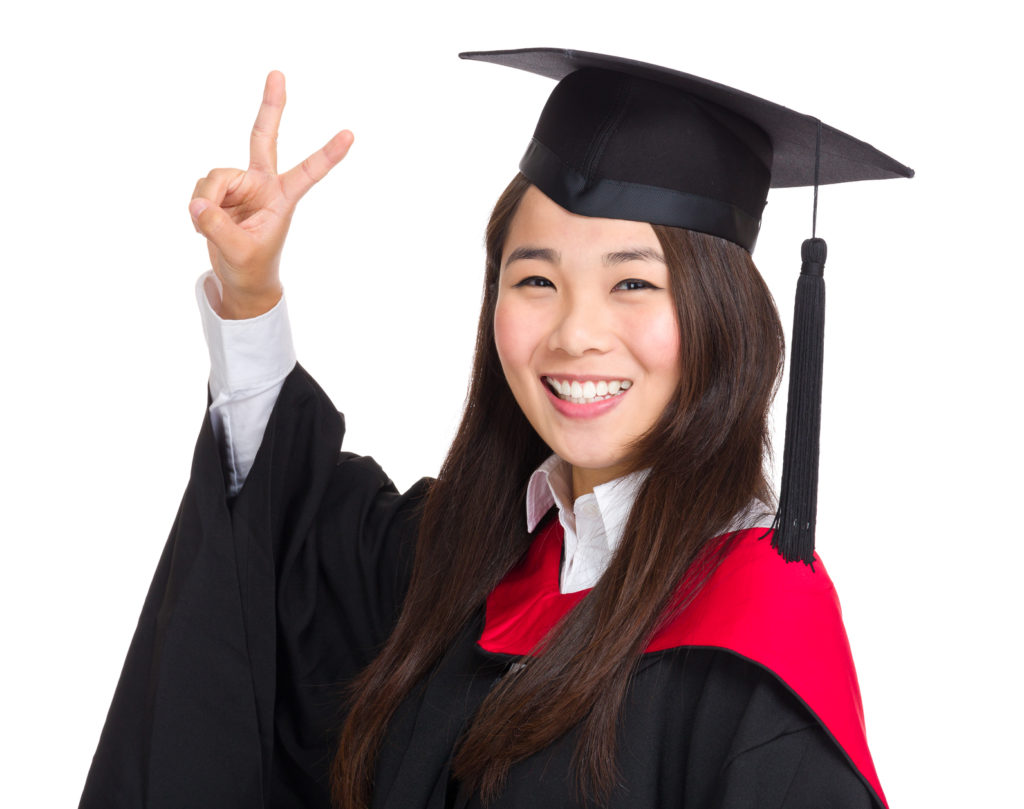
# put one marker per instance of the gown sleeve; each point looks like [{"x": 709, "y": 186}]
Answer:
[
  {"x": 261, "y": 609},
  {"x": 799, "y": 770},
  {"x": 776, "y": 755}
]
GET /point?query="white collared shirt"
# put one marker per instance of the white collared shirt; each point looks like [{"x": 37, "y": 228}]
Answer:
[{"x": 593, "y": 524}]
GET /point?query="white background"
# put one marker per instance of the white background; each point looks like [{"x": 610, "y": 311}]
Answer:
[{"x": 112, "y": 110}]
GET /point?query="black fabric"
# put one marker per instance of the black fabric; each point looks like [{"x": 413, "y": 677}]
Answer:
[
  {"x": 701, "y": 728},
  {"x": 618, "y": 127},
  {"x": 641, "y": 203},
  {"x": 260, "y": 611},
  {"x": 256, "y": 615}
]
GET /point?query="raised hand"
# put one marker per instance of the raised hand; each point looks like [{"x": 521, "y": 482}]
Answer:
[{"x": 245, "y": 215}]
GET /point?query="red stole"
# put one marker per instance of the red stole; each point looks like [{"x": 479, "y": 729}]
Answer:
[{"x": 783, "y": 617}]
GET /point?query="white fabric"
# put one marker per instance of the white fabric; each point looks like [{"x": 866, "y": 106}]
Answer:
[
  {"x": 593, "y": 525},
  {"x": 249, "y": 360}
]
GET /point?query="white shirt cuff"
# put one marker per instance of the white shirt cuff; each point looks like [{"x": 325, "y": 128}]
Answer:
[{"x": 249, "y": 360}]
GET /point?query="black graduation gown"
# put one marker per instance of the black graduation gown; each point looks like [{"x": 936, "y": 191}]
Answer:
[{"x": 261, "y": 609}]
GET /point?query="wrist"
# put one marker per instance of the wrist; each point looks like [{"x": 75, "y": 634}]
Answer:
[{"x": 237, "y": 304}]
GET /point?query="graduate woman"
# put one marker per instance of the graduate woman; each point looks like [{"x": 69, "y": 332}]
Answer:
[{"x": 589, "y": 606}]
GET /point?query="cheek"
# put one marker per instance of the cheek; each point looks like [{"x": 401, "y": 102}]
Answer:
[
  {"x": 511, "y": 338},
  {"x": 656, "y": 345}
]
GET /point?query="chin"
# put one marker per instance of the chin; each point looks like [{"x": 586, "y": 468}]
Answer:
[{"x": 599, "y": 463}]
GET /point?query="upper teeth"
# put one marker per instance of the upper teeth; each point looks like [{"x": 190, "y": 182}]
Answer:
[{"x": 586, "y": 392}]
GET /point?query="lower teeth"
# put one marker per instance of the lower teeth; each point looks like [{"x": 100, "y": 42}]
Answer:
[{"x": 581, "y": 400}]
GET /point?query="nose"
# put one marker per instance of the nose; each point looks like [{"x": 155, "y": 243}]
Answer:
[{"x": 582, "y": 326}]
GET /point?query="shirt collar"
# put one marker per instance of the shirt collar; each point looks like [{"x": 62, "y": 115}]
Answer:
[
  {"x": 551, "y": 485},
  {"x": 593, "y": 525}
]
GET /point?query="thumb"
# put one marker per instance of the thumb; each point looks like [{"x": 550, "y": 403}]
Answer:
[
  {"x": 212, "y": 222},
  {"x": 195, "y": 207}
]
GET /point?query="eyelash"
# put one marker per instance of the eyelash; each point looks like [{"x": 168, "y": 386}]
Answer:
[
  {"x": 534, "y": 281},
  {"x": 629, "y": 283}
]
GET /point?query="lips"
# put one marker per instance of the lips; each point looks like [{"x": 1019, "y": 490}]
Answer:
[{"x": 587, "y": 391}]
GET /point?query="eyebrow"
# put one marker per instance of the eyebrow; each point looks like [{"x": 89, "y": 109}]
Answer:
[
  {"x": 538, "y": 253},
  {"x": 609, "y": 260},
  {"x": 638, "y": 254}
]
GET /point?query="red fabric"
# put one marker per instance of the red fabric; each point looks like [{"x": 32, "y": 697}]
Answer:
[{"x": 784, "y": 617}]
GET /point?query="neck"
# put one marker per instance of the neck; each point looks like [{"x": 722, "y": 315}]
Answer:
[{"x": 585, "y": 480}]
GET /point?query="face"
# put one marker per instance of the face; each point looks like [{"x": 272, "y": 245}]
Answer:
[{"x": 586, "y": 332}]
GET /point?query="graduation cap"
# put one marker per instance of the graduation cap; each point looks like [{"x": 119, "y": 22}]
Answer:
[{"x": 622, "y": 139}]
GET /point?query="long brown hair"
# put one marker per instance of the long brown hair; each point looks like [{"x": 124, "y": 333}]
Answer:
[{"x": 706, "y": 456}]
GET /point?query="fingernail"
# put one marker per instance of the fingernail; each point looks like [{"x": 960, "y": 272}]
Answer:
[{"x": 195, "y": 208}]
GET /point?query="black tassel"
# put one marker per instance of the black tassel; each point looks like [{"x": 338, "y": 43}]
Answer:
[{"x": 798, "y": 498}]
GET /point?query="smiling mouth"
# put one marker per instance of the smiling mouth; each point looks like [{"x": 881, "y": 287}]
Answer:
[{"x": 589, "y": 391}]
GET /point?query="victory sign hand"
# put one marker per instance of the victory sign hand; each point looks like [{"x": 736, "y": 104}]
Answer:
[{"x": 245, "y": 215}]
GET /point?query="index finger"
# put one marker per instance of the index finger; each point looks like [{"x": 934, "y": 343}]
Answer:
[{"x": 263, "y": 141}]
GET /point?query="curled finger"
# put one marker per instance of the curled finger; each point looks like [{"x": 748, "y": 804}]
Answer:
[
  {"x": 213, "y": 222},
  {"x": 218, "y": 184}
]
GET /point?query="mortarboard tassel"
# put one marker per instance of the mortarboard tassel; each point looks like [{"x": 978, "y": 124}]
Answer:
[{"x": 793, "y": 528}]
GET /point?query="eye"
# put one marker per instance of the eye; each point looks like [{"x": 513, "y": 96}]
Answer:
[
  {"x": 534, "y": 281},
  {"x": 631, "y": 284}
]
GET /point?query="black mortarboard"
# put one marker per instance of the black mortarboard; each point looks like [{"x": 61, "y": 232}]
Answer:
[{"x": 622, "y": 139}]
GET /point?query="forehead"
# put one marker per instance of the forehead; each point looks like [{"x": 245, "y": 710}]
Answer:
[{"x": 540, "y": 222}]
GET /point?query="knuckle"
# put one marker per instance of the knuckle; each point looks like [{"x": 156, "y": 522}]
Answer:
[{"x": 260, "y": 131}]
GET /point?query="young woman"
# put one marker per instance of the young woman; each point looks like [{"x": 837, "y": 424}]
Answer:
[{"x": 584, "y": 609}]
